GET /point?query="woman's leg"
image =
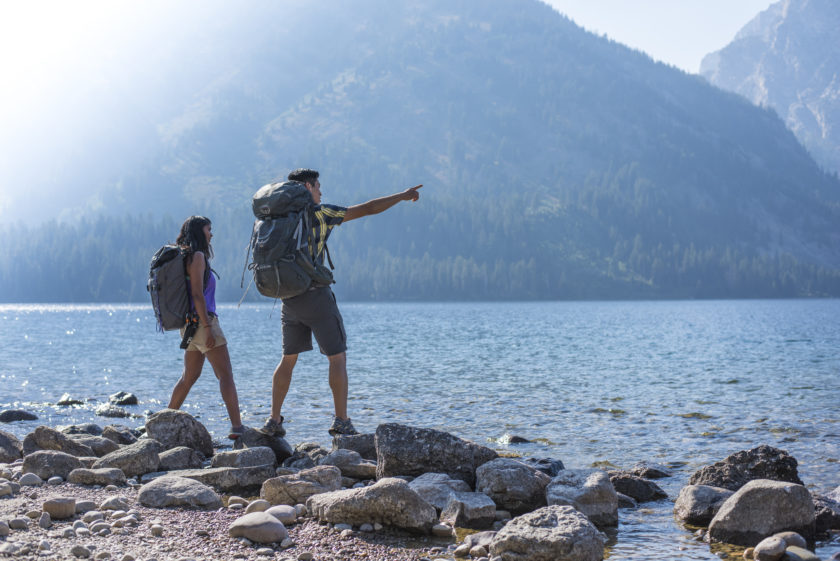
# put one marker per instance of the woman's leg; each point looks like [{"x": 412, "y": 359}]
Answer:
[
  {"x": 220, "y": 361},
  {"x": 193, "y": 363}
]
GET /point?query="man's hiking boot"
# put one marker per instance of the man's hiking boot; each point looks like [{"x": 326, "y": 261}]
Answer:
[
  {"x": 342, "y": 426},
  {"x": 274, "y": 428},
  {"x": 236, "y": 432}
]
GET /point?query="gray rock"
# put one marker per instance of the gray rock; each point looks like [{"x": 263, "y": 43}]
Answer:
[
  {"x": 115, "y": 503},
  {"x": 80, "y": 551},
  {"x": 11, "y": 448},
  {"x": 258, "y": 505},
  {"x": 551, "y": 533},
  {"x": 47, "y": 463},
  {"x": 637, "y": 487},
  {"x": 350, "y": 463},
  {"x": 245, "y": 457},
  {"x": 4, "y": 529},
  {"x": 827, "y": 513},
  {"x": 769, "y": 549},
  {"x": 389, "y": 501},
  {"x": 589, "y": 491},
  {"x": 30, "y": 479},
  {"x": 364, "y": 444},
  {"x": 548, "y": 466},
  {"x": 46, "y": 438},
  {"x": 297, "y": 488},
  {"x": 67, "y": 400},
  {"x": 469, "y": 510},
  {"x": 404, "y": 450},
  {"x": 134, "y": 459},
  {"x": 5, "y": 489},
  {"x": 45, "y": 520},
  {"x": 284, "y": 513},
  {"x": 101, "y": 446},
  {"x": 650, "y": 471},
  {"x": 174, "y": 428},
  {"x": 794, "y": 553},
  {"x": 760, "y": 509},
  {"x": 177, "y": 491},
  {"x": 60, "y": 508},
  {"x": 259, "y": 527},
  {"x": 180, "y": 457},
  {"x": 306, "y": 455},
  {"x": 513, "y": 485},
  {"x": 253, "y": 438},
  {"x": 120, "y": 434},
  {"x": 437, "y": 488},
  {"x": 90, "y": 429},
  {"x": 698, "y": 504},
  {"x": 245, "y": 480},
  {"x": 626, "y": 502},
  {"x": 123, "y": 398},
  {"x": 111, "y": 411},
  {"x": 763, "y": 462},
  {"x": 792, "y": 538},
  {"x": 14, "y": 415}
]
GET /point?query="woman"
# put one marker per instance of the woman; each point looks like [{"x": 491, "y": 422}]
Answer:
[{"x": 208, "y": 341}]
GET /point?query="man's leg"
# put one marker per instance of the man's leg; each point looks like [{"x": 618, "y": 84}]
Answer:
[
  {"x": 280, "y": 383},
  {"x": 338, "y": 383},
  {"x": 219, "y": 358}
]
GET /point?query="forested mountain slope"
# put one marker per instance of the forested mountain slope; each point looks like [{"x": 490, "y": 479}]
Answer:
[{"x": 556, "y": 164}]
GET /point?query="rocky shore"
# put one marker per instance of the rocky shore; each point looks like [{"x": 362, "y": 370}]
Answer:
[{"x": 163, "y": 492}]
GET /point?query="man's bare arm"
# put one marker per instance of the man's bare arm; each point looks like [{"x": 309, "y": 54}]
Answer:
[{"x": 381, "y": 204}]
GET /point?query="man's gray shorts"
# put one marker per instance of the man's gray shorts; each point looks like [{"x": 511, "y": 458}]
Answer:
[{"x": 313, "y": 312}]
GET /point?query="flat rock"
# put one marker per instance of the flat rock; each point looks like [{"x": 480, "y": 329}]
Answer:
[
  {"x": 389, "y": 501},
  {"x": 245, "y": 457},
  {"x": 100, "y": 445},
  {"x": 259, "y": 527},
  {"x": 120, "y": 434},
  {"x": 364, "y": 444},
  {"x": 469, "y": 510},
  {"x": 180, "y": 457},
  {"x": 134, "y": 459},
  {"x": 171, "y": 490},
  {"x": 350, "y": 463},
  {"x": 297, "y": 488},
  {"x": 762, "y": 462},
  {"x": 172, "y": 428},
  {"x": 245, "y": 480},
  {"x": 60, "y": 508},
  {"x": 101, "y": 476},
  {"x": 438, "y": 488},
  {"x": 411, "y": 451},
  {"x": 552, "y": 533},
  {"x": 760, "y": 509}
]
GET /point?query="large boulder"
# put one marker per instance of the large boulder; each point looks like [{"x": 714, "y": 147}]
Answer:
[
  {"x": 48, "y": 463},
  {"x": 183, "y": 492},
  {"x": 245, "y": 457},
  {"x": 102, "y": 476},
  {"x": 172, "y": 428},
  {"x": 438, "y": 488},
  {"x": 552, "y": 533},
  {"x": 513, "y": 485},
  {"x": 259, "y": 527},
  {"x": 589, "y": 491},
  {"x": 231, "y": 481},
  {"x": 364, "y": 444},
  {"x": 403, "y": 450},
  {"x": 46, "y": 438},
  {"x": 762, "y": 508},
  {"x": 180, "y": 457},
  {"x": 389, "y": 501},
  {"x": 762, "y": 462},
  {"x": 11, "y": 448},
  {"x": 252, "y": 438},
  {"x": 698, "y": 504},
  {"x": 297, "y": 488},
  {"x": 469, "y": 510},
  {"x": 638, "y": 488},
  {"x": 100, "y": 445},
  {"x": 350, "y": 463},
  {"x": 134, "y": 459}
]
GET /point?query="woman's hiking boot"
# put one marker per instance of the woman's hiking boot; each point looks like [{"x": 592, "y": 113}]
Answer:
[
  {"x": 274, "y": 428},
  {"x": 342, "y": 426}
]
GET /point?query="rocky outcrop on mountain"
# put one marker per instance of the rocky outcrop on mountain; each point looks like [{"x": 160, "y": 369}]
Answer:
[{"x": 788, "y": 58}]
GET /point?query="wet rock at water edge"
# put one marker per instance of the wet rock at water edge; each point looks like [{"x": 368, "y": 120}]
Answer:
[
  {"x": 123, "y": 398},
  {"x": 14, "y": 415},
  {"x": 762, "y": 462},
  {"x": 698, "y": 504},
  {"x": 91, "y": 429},
  {"x": 587, "y": 490},
  {"x": 638, "y": 488},
  {"x": 438, "y": 488},
  {"x": 548, "y": 466},
  {"x": 109, "y": 410},
  {"x": 513, "y": 485},
  {"x": 67, "y": 400}
]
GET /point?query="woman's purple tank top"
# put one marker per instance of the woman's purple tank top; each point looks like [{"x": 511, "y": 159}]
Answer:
[{"x": 209, "y": 294}]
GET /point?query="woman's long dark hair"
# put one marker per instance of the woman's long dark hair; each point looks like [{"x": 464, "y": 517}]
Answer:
[{"x": 192, "y": 236}]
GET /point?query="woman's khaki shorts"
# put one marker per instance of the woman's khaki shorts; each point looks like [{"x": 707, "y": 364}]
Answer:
[{"x": 199, "y": 341}]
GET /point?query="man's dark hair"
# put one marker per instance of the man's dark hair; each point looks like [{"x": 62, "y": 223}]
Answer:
[{"x": 304, "y": 175}]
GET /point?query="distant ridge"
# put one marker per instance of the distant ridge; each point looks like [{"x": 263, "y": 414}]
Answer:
[{"x": 557, "y": 164}]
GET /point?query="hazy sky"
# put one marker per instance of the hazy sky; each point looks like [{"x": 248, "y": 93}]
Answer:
[{"x": 678, "y": 32}]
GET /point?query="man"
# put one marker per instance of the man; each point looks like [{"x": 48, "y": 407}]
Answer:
[{"x": 315, "y": 311}]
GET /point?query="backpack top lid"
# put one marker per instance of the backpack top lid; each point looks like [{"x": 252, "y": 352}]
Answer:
[{"x": 278, "y": 199}]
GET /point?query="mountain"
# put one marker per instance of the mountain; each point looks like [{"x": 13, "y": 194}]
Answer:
[
  {"x": 556, "y": 163},
  {"x": 788, "y": 58}
]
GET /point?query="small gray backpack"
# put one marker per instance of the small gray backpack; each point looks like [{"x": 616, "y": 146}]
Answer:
[{"x": 284, "y": 264}]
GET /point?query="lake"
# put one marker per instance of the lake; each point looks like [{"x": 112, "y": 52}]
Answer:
[{"x": 683, "y": 383}]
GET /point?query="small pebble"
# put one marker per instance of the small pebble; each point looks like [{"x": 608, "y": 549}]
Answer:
[
  {"x": 30, "y": 479},
  {"x": 80, "y": 551},
  {"x": 44, "y": 545},
  {"x": 55, "y": 480},
  {"x": 85, "y": 506},
  {"x": 45, "y": 521},
  {"x": 156, "y": 530},
  {"x": 366, "y": 528},
  {"x": 287, "y": 543},
  {"x": 4, "y": 529},
  {"x": 18, "y": 524},
  {"x": 127, "y": 557},
  {"x": 92, "y": 516},
  {"x": 102, "y": 556},
  {"x": 202, "y": 532},
  {"x": 83, "y": 532},
  {"x": 33, "y": 514},
  {"x": 265, "y": 551},
  {"x": 347, "y": 533},
  {"x": 478, "y": 551},
  {"x": 306, "y": 556},
  {"x": 236, "y": 506},
  {"x": 112, "y": 488}
]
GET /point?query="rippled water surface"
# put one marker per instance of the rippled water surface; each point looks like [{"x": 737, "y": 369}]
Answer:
[{"x": 612, "y": 383}]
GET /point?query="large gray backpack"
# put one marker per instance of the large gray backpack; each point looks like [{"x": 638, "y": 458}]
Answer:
[
  {"x": 284, "y": 263},
  {"x": 167, "y": 286}
]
